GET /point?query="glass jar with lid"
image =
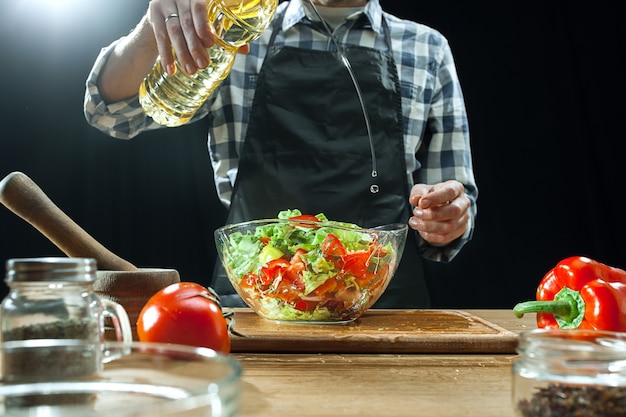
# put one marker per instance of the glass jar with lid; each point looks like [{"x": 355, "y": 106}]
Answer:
[
  {"x": 52, "y": 298},
  {"x": 570, "y": 373}
]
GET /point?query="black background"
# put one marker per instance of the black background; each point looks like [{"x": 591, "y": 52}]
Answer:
[{"x": 544, "y": 85}]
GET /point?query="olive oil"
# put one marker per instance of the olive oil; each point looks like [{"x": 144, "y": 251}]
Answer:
[{"x": 172, "y": 100}]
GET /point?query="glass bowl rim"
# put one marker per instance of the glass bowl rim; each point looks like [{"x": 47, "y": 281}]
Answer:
[
  {"x": 196, "y": 396},
  {"x": 395, "y": 227},
  {"x": 108, "y": 349}
]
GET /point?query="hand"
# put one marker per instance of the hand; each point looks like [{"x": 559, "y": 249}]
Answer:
[
  {"x": 183, "y": 25},
  {"x": 440, "y": 213}
]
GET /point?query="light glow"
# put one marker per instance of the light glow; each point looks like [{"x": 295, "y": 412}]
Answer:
[{"x": 63, "y": 10}]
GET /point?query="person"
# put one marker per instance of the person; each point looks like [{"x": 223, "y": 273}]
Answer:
[{"x": 287, "y": 129}]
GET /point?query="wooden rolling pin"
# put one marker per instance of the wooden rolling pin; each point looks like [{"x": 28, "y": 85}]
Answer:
[{"x": 23, "y": 197}]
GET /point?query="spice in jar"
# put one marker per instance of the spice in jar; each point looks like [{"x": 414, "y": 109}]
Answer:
[
  {"x": 50, "y": 327},
  {"x": 570, "y": 373},
  {"x": 72, "y": 328},
  {"x": 40, "y": 364},
  {"x": 36, "y": 361},
  {"x": 559, "y": 400}
]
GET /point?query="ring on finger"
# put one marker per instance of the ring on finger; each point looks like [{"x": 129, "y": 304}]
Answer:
[{"x": 171, "y": 16}]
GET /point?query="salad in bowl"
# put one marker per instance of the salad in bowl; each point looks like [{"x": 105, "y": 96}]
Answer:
[{"x": 306, "y": 268}]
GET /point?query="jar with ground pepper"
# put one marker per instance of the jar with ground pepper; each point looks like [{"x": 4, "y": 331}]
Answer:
[
  {"x": 569, "y": 373},
  {"x": 52, "y": 298}
]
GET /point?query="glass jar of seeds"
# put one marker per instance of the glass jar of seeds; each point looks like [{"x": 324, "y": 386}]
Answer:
[{"x": 568, "y": 373}]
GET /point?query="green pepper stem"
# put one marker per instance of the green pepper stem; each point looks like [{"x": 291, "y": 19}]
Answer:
[
  {"x": 568, "y": 308},
  {"x": 556, "y": 308}
]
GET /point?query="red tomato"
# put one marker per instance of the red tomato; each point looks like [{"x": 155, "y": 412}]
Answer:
[
  {"x": 297, "y": 256},
  {"x": 296, "y": 266},
  {"x": 274, "y": 269},
  {"x": 308, "y": 218},
  {"x": 332, "y": 246},
  {"x": 287, "y": 290},
  {"x": 356, "y": 263},
  {"x": 184, "y": 313},
  {"x": 327, "y": 286},
  {"x": 249, "y": 280},
  {"x": 303, "y": 305},
  {"x": 374, "y": 279},
  {"x": 294, "y": 270}
]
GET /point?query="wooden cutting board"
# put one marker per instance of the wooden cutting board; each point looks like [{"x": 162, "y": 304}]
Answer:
[{"x": 377, "y": 331}]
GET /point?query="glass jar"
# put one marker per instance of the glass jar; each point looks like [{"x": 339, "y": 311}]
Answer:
[
  {"x": 52, "y": 298},
  {"x": 570, "y": 373}
]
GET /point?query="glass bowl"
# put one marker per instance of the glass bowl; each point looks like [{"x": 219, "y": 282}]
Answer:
[
  {"x": 571, "y": 372},
  {"x": 309, "y": 272},
  {"x": 133, "y": 379}
]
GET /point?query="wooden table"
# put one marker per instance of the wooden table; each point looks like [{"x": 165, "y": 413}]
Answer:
[{"x": 348, "y": 384}]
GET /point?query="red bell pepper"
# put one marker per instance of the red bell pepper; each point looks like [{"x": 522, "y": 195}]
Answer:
[{"x": 579, "y": 293}]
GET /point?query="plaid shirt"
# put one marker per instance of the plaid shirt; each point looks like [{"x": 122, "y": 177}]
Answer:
[{"x": 436, "y": 136}]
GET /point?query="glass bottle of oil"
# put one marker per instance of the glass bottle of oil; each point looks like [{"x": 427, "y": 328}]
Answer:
[{"x": 172, "y": 100}]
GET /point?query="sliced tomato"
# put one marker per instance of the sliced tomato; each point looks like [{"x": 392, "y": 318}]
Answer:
[
  {"x": 379, "y": 277},
  {"x": 356, "y": 263},
  {"x": 297, "y": 256},
  {"x": 304, "y": 305},
  {"x": 249, "y": 280},
  {"x": 326, "y": 287},
  {"x": 294, "y": 271},
  {"x": 287, "y": 289},
  {"x": 332, "y": 246},
  {"x": 296, "y": 266},
  {"x": 365, "y": 279},
  {"x": 307, "y": 218},
  {"x": 274, "y": 268}
]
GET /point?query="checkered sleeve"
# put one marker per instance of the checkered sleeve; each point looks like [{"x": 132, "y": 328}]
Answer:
[
  {"x": 124, "y": 119},
  {"x": 445, "y": 150}
]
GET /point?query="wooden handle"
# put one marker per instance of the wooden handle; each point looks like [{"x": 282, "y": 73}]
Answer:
[{"x": 23, "y": 197}]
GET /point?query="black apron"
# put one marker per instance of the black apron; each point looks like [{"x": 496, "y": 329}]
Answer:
[{"x": 307, "y": 147}]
